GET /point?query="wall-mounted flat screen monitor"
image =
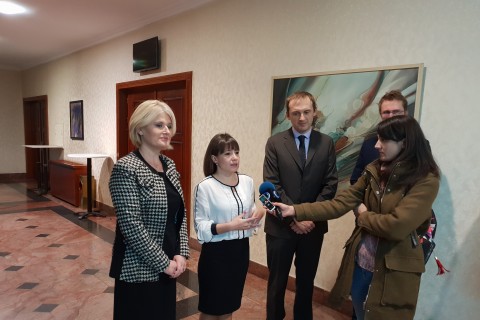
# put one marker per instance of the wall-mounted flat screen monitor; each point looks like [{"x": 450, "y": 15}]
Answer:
[{"x": 146, "y": 55}]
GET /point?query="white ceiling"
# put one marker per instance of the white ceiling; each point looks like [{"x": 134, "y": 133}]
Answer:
[{"x": 55, "y": 28}]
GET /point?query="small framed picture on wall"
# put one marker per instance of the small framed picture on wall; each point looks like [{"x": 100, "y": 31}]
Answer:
[{"x": 76, "y": 120}]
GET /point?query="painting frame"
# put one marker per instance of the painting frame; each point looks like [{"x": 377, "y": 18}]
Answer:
[
  {"x": 76, "y": 120},
  {"x": 347, "y": 103}
]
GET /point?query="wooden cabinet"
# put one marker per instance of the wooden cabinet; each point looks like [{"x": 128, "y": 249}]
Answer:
[{"x": 65, "y": 180}]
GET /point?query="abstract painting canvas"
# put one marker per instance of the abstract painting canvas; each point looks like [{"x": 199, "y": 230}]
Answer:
[{"x": 348, "y": 104}]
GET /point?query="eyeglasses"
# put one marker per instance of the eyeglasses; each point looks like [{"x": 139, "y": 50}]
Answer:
[{"x": 393, "y": 112}]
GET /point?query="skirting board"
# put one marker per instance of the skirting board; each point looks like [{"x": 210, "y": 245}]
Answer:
[{"x": 13, "y": 177}]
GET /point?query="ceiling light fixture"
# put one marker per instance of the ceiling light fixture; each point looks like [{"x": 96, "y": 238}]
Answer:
[{"x": 7, "y": 7}]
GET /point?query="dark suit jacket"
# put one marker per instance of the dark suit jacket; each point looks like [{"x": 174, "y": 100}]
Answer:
[
  {"x": 367, "y": 154},
  {"x": 316, "y": 182}
]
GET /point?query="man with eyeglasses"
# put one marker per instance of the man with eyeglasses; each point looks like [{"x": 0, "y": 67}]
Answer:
[{"x": 393, "y": 103}]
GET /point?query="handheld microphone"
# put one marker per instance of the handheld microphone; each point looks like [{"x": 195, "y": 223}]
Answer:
[
  {"x": 268, "y": 187},
  {"x": 269, "y": 194}
]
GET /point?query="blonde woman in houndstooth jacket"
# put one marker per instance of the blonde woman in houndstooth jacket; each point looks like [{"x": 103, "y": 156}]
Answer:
[{"x": 151, "y": 243}]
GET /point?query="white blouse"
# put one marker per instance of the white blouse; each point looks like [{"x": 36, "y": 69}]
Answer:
[{"x": 216, "y": 202}]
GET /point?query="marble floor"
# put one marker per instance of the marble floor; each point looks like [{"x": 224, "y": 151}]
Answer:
[{"x": 55, "y": 266}]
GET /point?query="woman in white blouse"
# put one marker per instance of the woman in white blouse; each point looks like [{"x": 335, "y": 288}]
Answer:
[{"x": 225, "y": 216}]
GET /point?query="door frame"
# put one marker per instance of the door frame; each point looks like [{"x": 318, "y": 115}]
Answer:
[{"x": 122, "y": 90}]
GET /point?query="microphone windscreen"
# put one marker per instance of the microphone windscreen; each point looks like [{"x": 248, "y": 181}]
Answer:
[{"x": 265, "y": 187}]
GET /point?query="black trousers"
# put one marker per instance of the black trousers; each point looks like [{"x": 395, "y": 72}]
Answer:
[{"x": 280, "y": 253}]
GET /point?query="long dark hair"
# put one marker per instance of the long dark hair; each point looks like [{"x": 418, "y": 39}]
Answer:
[
  {"x": 416, "y": 152},
  {"x": 218, "y": 145}
]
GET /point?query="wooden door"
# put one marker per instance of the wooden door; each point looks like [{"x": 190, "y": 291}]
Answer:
[
  {"x": 35, "y": 119},
  {"x": 174, "y": 90},
  {"x": 176, "y": 100},
  {"x": 134, "y": 99}
]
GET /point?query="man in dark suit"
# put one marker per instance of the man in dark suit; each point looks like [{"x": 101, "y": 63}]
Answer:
[
  {"x": 393, "y": 103},
  {"x": 302, "y": 170}
]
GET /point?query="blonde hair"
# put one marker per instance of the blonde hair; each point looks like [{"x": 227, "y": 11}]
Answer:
[{"x": 146, "y": 113}]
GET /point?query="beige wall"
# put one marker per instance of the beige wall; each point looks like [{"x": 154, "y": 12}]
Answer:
[
  {"x": 234, "y": 48},
  {"x": 12, "y": 154}
]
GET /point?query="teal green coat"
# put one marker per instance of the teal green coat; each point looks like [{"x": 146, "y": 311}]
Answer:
[{"x": 395, "y": 216}]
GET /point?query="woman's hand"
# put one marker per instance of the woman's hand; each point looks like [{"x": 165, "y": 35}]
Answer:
[
  {"x": 258, "y": 215},
  {"x": 177, "y": 266},
  {"x": 181, "y": 265},
  {"x": 361, "y": 208},
  {"x": 238, "y": 223},
  {"x": 287, "y": 211},
  {"x": 242, "y": 223},
  {"x": 172, "y": 267}
]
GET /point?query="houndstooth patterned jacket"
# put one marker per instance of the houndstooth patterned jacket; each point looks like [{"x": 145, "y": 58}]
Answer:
[{"x": 140, "y": 201}]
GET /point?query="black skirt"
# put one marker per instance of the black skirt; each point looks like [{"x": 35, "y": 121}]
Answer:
[
  {"x": 222, "y": 269},
  {"x": 145, "y": 300}
]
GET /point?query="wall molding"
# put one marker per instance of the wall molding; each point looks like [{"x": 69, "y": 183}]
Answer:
[{"x": 108, "y": 210}]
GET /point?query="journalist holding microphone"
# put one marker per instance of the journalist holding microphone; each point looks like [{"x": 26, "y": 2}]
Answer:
[{"x": 382, "y": 256}]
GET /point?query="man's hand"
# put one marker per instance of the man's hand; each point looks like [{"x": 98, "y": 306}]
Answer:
[{"x": 302, "y": 227}]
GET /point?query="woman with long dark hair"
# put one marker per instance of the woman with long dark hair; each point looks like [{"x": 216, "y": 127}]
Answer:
[{"x": 383, "y": 261}]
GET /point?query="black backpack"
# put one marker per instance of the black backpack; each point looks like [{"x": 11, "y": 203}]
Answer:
[
  {"x": 428, "y": 244},
  {"x": 427, "y": 240}
]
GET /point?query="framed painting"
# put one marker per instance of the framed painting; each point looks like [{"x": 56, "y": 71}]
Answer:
[
  {"x": 348, "y": 104},
  {"x": 76, "y": 120}
]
